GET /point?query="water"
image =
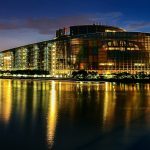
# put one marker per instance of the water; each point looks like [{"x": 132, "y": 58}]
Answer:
[{"x": 60, "y": 115}]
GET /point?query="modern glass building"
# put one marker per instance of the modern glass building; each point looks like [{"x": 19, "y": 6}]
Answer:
[{"x": 100, "y": 48}]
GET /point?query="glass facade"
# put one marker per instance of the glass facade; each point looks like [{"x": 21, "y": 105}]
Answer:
[
  {"x": 7, "y": 60},
  {"x": 104, "y": 49},
  {"x": 108, "y": 52}
]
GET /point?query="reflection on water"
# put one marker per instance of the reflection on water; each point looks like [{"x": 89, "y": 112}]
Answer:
[
  {"x": 109, "y": 105},
  {"x": 67, "y": 115},
  {"x": 52, "y": 116},
  {"x": 5, "y": 100}
]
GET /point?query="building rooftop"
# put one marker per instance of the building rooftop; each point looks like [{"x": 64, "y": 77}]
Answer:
[{"x": 87, "y": 29}]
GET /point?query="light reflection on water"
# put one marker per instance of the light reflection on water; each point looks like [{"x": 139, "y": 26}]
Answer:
[
  {"x": 5, "y": 101},
  {"x": 52, "y": 116},
  {"x": 68, "y": 115}
]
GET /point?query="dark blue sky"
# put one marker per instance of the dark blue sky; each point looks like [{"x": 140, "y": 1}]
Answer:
[{"x": 27, "y": 21}]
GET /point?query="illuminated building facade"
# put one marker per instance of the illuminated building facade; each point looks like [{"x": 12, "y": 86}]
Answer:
[{"x": 100, "y": 48}]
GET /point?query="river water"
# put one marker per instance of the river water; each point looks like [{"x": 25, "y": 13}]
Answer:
[{"x": 69, "y": 115}]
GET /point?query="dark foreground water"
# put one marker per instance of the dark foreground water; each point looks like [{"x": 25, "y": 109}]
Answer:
[{"x": 60, "y": 115}]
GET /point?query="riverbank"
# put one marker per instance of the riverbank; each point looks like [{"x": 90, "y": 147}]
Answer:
[{"x": 73, "y": 79}]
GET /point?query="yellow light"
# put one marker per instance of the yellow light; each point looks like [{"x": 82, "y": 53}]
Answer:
[
  {"x": 106, "y": 64},
  {"x": 110, "y": 30},
  {"x": 53, "y": 46},
  {"x": 52, "y": 116},
  {"x": 109, "y": 106},
  {"x": 7, "y": 57},
  {"x": 139, "y": 64},
  {"x": 5, "y": 102}
]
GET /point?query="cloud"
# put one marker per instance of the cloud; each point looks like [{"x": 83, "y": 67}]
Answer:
[
  {"x": 22, "y": 31},
  {"x": 136, "y": 25},
  {"x": 50, "y": 25}
]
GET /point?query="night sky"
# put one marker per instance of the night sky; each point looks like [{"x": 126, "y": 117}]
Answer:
[{"x": 28, "y": 21}]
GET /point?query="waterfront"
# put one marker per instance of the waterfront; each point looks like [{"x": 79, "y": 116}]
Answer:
[{"x": 69, "y": 115}]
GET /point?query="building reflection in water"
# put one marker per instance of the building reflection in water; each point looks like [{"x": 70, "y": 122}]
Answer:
[
  {"x": 109, "y": 106},
  {"x": 19, "y": 95},
  {"x": 35, "y": 102},
  {"x": 5, "y": 100},
  {"x": 52, "y": 115},
  {"x": 35, "y": 106},
  {"x": 22, "y": 102}
]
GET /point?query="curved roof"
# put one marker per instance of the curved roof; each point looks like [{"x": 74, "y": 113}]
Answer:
[
  {"x": 99, "y": 28},
  {"x": 87, "y": 29}
]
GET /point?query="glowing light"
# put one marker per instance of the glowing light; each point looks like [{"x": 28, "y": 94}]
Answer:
[
  {"x": 53, "y": 59},
  {"x": 110, "y": 31},
  {"x": 5, "y": 102},
  {"x": 139, "y": 64},
  {"x": 106, "y": 64},
  {"x": 7, "y": 58},
  {"x": 109, "y": 106},
  {"x": 52, "y": 117}
]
